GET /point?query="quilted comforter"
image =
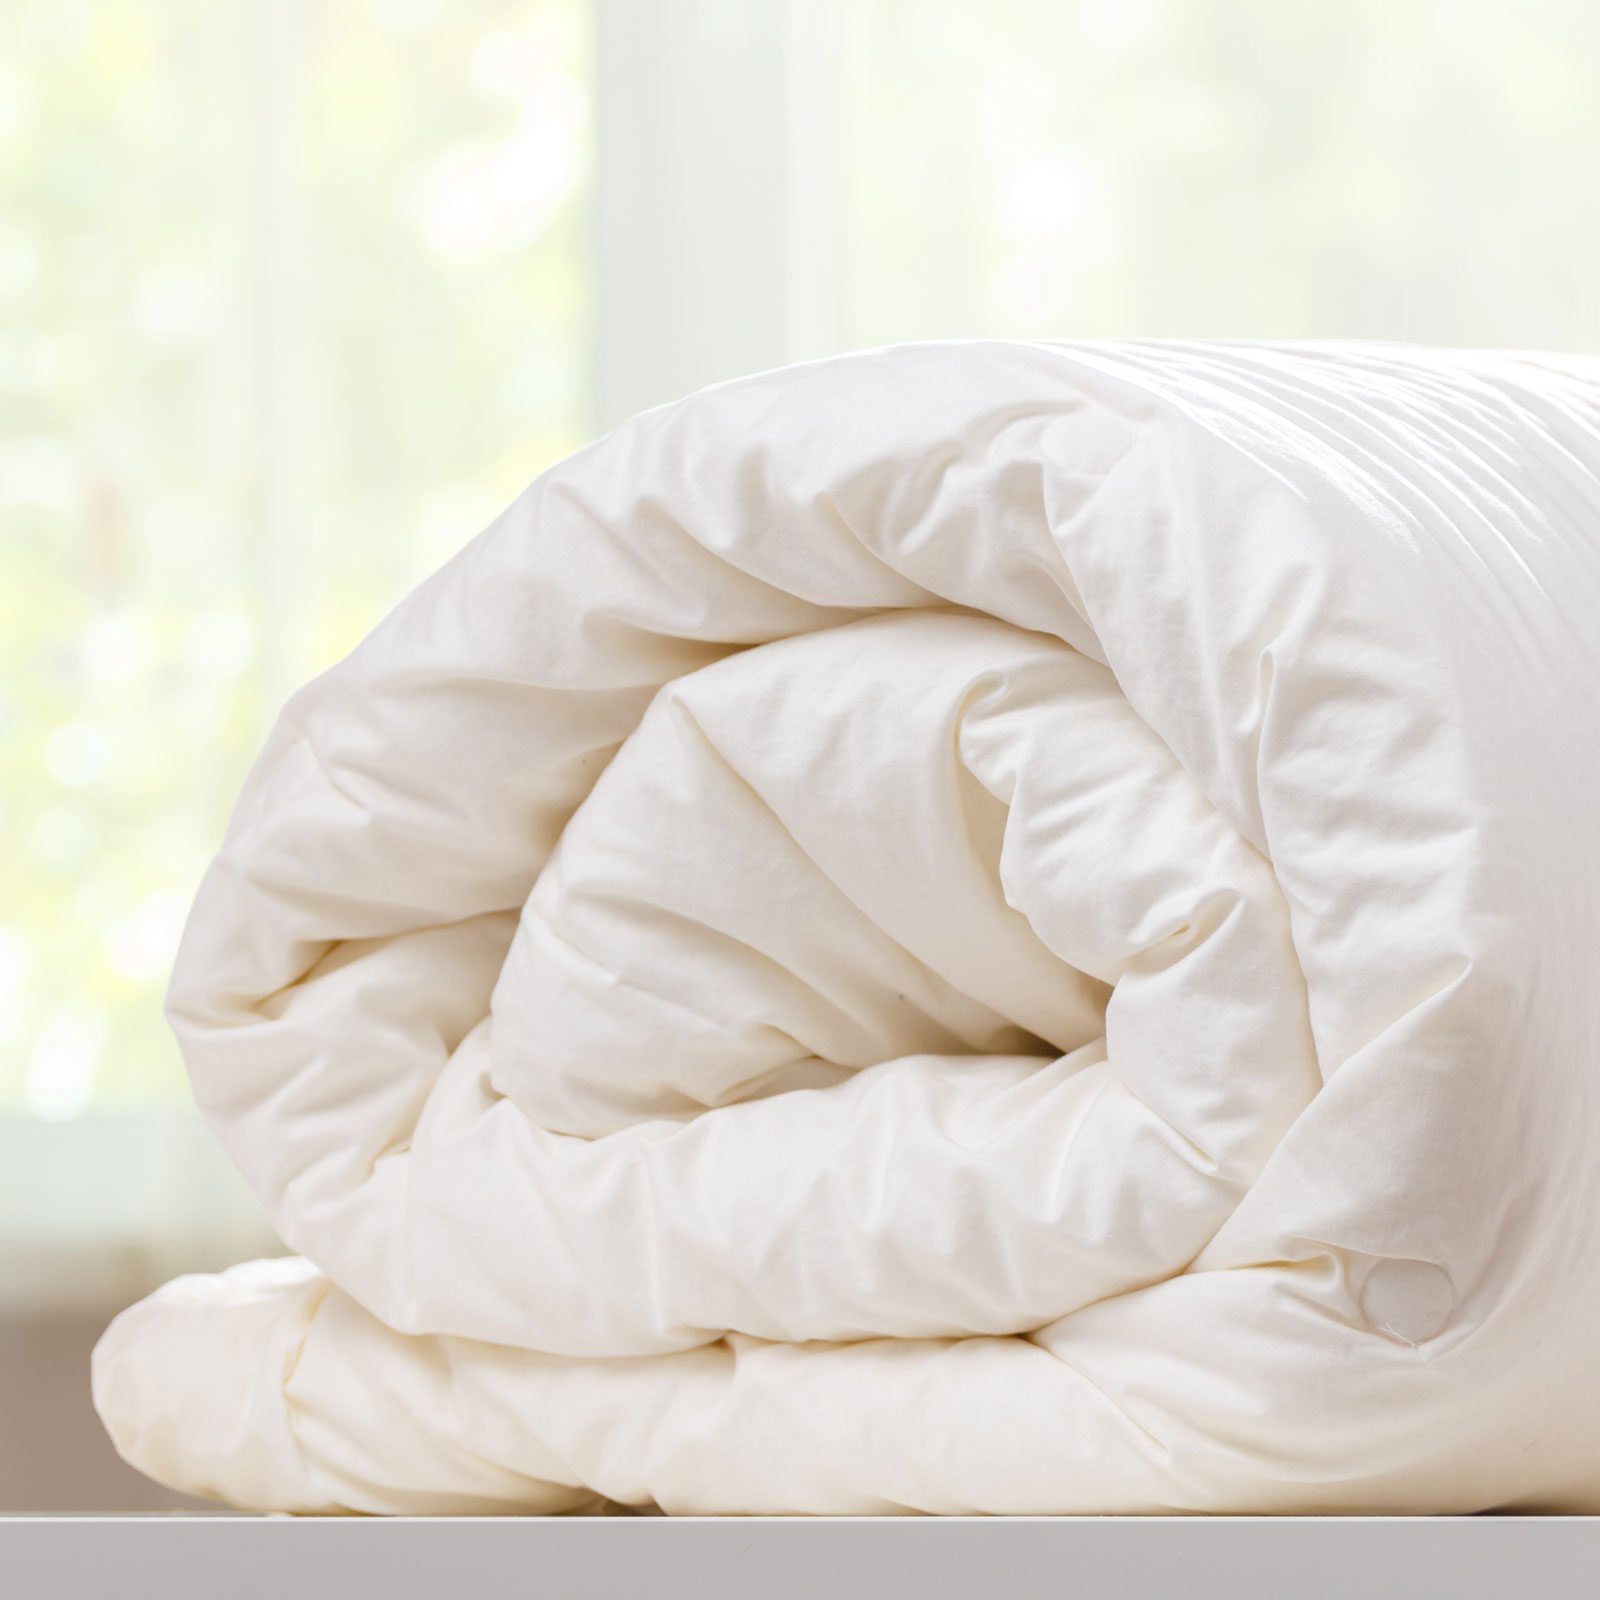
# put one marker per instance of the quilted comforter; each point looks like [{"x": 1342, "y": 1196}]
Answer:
[{"x": 979, "y": 927}]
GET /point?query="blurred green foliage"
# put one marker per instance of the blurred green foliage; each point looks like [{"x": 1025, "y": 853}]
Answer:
[{"x": 292, "y": 300}]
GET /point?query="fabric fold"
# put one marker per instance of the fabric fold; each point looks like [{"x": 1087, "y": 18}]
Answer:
[{"x": 976, "y": 927}]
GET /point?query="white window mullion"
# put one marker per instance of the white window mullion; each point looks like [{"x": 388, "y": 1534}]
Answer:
[
  {"x": 711, "y": 241},
  {"x": 270, "y": 63}
]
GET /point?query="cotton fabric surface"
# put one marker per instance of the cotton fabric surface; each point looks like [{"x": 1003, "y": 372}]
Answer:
[{"x": 979, "y": 927}]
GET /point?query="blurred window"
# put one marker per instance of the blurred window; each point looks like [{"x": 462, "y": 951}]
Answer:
[
  {"x": 295, "y": 294},
  {"x": 1232, "y": 168},
  {"x": 292, "y": 299}
]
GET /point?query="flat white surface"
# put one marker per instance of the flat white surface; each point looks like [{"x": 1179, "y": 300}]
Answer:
[{"x": 1130, "y": 1557}]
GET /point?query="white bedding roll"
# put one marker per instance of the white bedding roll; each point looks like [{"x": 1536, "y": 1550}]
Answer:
[{"x": 977, "y": 927}]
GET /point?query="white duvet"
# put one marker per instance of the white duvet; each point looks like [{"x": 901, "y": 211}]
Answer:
[{"x": 973, "y": 928}]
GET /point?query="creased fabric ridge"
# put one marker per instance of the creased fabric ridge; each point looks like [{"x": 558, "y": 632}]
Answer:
[{"x": 979, "y": 927}]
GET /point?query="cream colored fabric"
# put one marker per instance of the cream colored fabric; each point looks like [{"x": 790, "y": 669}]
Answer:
[{"x": 976, "y": 927}]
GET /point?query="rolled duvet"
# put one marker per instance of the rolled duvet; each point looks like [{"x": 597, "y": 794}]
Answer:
[{"x": 978, "y": 927}]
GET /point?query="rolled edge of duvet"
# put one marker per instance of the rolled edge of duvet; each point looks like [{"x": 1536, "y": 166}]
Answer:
[{"x": 977, "y": 927}]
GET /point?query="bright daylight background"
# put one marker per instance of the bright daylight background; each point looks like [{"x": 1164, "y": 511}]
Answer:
[{"x": 295, "y": 294}]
